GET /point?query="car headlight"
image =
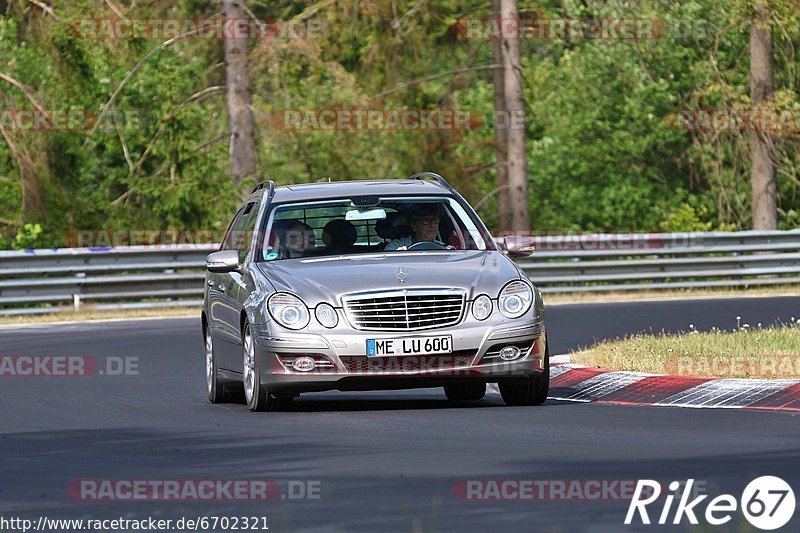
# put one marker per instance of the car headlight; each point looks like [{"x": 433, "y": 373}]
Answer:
[
  {"x": 326, "y": 315},
  {"x": 515, "y": 299},
  {"x": 288, "y": 310},
  {"x": 482, "y": 307}
]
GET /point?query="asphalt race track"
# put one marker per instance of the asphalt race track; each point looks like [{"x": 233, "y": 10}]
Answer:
[{"x": 384, "y": 461}]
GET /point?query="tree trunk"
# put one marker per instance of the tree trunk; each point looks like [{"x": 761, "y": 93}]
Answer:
[
  {"x": 764, "y": 196},
  {"x": 515, "y": 107},
  {"x": 32, "y": 208},
  {"x": 500, "y": 131},
  {"x": 242, "y": 145}
]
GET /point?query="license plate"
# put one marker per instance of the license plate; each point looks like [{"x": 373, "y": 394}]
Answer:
[{"x": 410, "y": 346}]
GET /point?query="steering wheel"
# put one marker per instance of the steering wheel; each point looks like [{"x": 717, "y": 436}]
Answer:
[{"x": 427, "y": 245}]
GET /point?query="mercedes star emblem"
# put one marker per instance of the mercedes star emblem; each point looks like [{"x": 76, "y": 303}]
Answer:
[{"x": 402, "y": 274}]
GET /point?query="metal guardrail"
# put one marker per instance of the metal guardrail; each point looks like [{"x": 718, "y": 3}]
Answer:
[
  {"x": 630, "y": 262},
  {"x": 152, "y": 276},
  {"x": 138, "y": 276}
]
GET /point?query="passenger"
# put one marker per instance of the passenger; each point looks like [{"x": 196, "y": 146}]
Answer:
[
  {"x": 424, "y": 222},
  {"x": 339, "y": 236},
  {"x": 295, "y": 239}
]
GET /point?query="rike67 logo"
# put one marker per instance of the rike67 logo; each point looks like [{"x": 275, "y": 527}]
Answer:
[{"x": 767, "y": 502}]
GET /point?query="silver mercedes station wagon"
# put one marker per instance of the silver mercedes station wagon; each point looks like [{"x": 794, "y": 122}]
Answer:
[{"x": 369, "y": 285}]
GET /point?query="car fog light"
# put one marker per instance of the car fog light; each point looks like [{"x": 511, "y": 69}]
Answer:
[
  {"x": 509, "y": 353},
  {"x": 304, "y": 364}
]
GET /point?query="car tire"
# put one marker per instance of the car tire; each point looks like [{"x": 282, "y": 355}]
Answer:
[
  {"x": 465, "y": 392},
  {"x": 215, "y": 388},
  {"x": 531, "y": 392},
  {"x": 257, "y": 397}
]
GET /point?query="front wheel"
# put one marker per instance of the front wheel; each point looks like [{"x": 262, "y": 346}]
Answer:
[
  {"x": 531, "y": 392},
  {"x": 257, "y": 397},
  {"x": 215, "y": 388}
]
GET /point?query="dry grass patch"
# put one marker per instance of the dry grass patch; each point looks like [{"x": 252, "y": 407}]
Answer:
[
  {"x": 747, "y": 352},
  {"x": 101, "y": 314},
  {"x": 671, "y": 294}
]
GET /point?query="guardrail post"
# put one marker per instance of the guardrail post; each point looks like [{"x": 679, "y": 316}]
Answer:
[{"x": 76, "y": 301}]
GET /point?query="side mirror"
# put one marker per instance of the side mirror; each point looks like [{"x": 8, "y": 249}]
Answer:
[
  {"x": 223, "y": 261},
  {"x": 518, "y": 247}
]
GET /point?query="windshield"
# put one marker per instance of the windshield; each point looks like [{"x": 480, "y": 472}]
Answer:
[{"x": 342, "y": 227}]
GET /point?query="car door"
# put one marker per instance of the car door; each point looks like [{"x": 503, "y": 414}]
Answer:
[
  {"x": 223, "y": 307},
  {"x": 240, "y": 280}
]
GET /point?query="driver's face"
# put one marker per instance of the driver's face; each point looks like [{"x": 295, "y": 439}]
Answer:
[{"x": 425, "y": 228}]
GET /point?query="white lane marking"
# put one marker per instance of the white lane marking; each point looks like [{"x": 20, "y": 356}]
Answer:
[
  {"x": 727, "y": 393},
  {"x": 557, "y": 370},
  {"x": 595, "y": 388},
  {"x": 718, "y": 393}
]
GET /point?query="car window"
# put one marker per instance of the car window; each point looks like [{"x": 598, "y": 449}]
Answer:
[
  {"x": 248, "y": 224},
  {"x": 228, "y": 241},
  {"x": 317, "y": 229}
]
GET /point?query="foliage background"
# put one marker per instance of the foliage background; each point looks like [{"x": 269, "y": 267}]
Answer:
[{"x": 602, "y": 153}]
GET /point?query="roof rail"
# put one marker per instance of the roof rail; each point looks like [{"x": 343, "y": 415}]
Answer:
[
  {"x": 432, "y": 175},
  {"x": 263, "y": 185}
]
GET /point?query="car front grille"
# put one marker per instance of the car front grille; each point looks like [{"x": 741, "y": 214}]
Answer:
[
  {"x": 408, "y": 364},
  {"x": 405, "y": 310}
]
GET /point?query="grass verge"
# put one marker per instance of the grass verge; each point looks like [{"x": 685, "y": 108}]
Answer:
[
  {"x": 769, "y": 353},
  {"x": 671, "y": 294},
  {"x": 98, "y": 314}
]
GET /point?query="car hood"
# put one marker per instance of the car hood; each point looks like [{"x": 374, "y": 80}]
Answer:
[{"x": 326, "y": 279}]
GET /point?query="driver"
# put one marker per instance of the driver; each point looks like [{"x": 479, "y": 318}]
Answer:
[{"x": 424, "y": 222}]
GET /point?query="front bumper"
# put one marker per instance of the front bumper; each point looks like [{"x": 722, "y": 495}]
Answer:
[{"x": 474, "y": 357}]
